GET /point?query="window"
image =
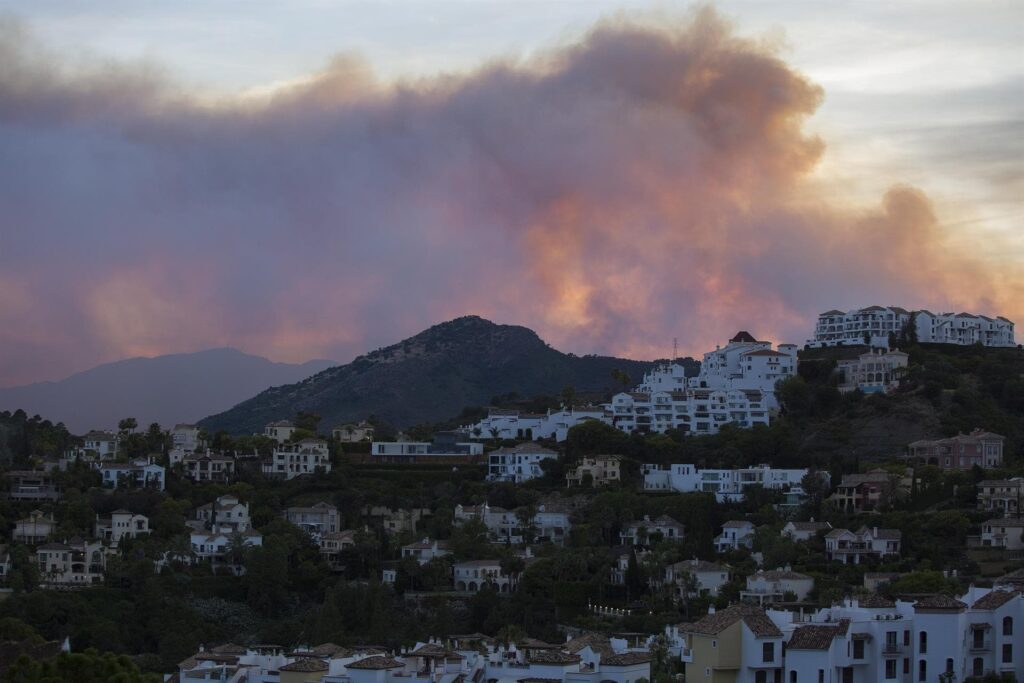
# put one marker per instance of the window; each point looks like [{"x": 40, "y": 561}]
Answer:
[
  {"x": 1007, "y": 626},
  {"x": 821, "y": 676},
  {"x": 906, "y": 666},
  {"x": 906, "y": 637},
  {"x": 923, "y": 646},
  {"x": 1007, "y": 654},
  {"x": 761, "y": 677},
  {"x": 890, "y": 668},
  {"x": 978, "y": 666},
  {"x": 714, "y": 643},
  {"x": 922, "y": 670},
  {"x": 949, "y": 665},
  {"x": 792, "y": 676},
  {"x": 858, "y": 649},
  {"x": 768, "y": 652}
]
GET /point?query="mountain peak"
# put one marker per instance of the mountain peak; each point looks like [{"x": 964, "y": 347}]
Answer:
[{"x": 430, "y": 376}]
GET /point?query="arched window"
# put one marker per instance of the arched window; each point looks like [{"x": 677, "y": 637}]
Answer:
[
  {"x": 1007, "y": 626},
  {"x": 949, "y": 665},
  {"x": 922, "y": 670},
  {"x": 792, "y": 676},
  {"x": 923, "y": 647}
]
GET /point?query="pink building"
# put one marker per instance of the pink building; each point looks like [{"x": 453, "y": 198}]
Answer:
[{"x": 960, "y": 452}]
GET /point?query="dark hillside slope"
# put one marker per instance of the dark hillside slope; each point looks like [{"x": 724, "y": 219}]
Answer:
[{"x": 430, "y": 377}]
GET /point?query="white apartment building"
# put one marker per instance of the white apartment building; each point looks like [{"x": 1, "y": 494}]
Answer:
[
  {"x": 213, "y": 545},
  {"x": 74, "y": 563},
  {"x": 727, "y": 485},
  {"x": 873, "y": 372},
  {"x": 873, "y": 325},
  {"x": 936, "y": 638},
  {"x": 963, "y": 329},
  {"x": 121, "y": 524},
  {"x": 519, "y": 463},
  {"x": 735, "y": 534},
  {"x": 308, "y": 456},
  {"x": 853, "y": 547}
]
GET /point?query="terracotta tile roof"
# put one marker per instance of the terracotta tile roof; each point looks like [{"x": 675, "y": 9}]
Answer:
[
  {"x": 229, "y": 649},
  {"x": 597, "y": 642},
  {"x": 743, "y": 336},
  {"x": 551, "y": 657},
  {"x": 875, "y": 602},
  {"x": 435, "y": 651},
  {"x": 815, "y": 637},
  {"x": 939, "y": 602},
  {"x": 534, "y": 644},
  {"x": 994, "y": 600},
  {"x": 627, "y": 659},
  {"x": 754, "y": 617},
  {"x": 376, "y": 662},
  {"x": 308, "y": 664}
]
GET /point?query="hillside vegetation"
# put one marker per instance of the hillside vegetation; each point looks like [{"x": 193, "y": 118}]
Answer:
[{"x": 430, "y": 377}]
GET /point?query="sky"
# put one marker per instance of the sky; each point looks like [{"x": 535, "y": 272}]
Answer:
[{"x": 317, "y": 179}]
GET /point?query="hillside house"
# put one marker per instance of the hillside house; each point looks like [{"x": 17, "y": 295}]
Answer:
[
  {"x": 308, "y": 456},
  {"x": 961, "y": 452},
  {"x": 767, "y": 587},
  {"x": 650, "y": 532},
  {"x": 735, "y": 534},
  {"x": 120, "y": 524},
  {"x": 519, "y": 463},
  {"x": 854, "y": 547},
  {"x": 35, "y": 528},
  {"x": 596, "y": 471}
]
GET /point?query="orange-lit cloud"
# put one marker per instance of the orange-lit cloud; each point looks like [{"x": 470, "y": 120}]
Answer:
[{"x": 638, "y": 185}]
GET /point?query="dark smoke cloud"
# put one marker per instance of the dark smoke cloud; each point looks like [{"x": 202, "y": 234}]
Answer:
[{"x": 639, "y": 185}]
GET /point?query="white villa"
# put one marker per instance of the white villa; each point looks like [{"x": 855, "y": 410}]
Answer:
[
  {"x": 708, "y": 577},
  {"x": 473, "y": 575},
  {"x": 873, "y": 372},
  {"x": 735, "y": 534},
  {"x": 121, "y": 524},
  {"x": 872, "y": 326},
  {"x": 227, "y": 512},
  {"x": 766, "y": 587},
  {"x": 727, "y": 485},
  {"x": 1003, "y": 533},
  {"x": 643, "y": 532},
  {"x": 280, "y": 431},
  {"x": 519, "y": 463},
  {"x": 853, "y": 547},
  {"x": 426, "y": 550},
  {"x": 308, "y": 456},
  {"x": 139, "y": 473},
  {"x": 74, "y": 563}
]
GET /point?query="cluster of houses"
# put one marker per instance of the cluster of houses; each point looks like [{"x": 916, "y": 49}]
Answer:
[
  {"x": 728, "y": 485},
  {"x": 869, "y": 640},
  {"x": 587, "y": 658},
  {"x": 875, "y": 325},
  {"x": 735, "y": 385},
  {"x": 861, "y": 640}
]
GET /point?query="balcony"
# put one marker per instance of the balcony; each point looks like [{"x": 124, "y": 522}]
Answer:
[
  {"x": 892, "y": 649},
  {"x": 980, "y": 646}
]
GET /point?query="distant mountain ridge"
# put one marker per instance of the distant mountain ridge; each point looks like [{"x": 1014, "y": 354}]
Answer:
[
  {"x": 431, "y": 377},
  {"x": 167, "y": 389}
]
